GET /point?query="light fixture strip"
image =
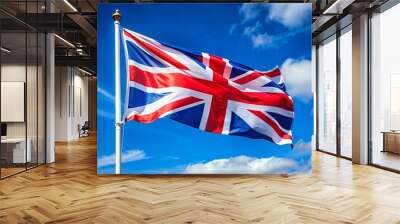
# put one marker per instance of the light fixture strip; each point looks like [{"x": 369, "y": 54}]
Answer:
[
  {"x": 70, "y": 5},
  {"x": 84, "y": 71},
  {"x": 326, "y": 11},
  {"x": 337, "y": 7},
  {"x": 5, "y": 50},
  {"x": 64, "y": 40}
]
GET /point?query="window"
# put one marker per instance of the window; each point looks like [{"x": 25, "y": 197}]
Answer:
[
  {"x": 385, "y": 89},
  {"x": 327, "y": 95},
  {"x": 346, "y": 92}
]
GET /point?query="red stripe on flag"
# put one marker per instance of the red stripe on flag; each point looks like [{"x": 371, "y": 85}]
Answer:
[
  {"x": 216, "y": 116},
  {"x": 217, "y": 64},
  {"x": 148, "y": 118},
  {"x": 219, "y": 103},
  {"x": 254, "y": 75},
  {"x": 271, "y": 123},
  {"x": 216, "y": 88},
  {"x": 156, "y": 51}
]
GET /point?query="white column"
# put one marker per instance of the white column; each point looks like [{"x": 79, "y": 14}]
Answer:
[
  {"x": 360, "y": 90},
  {"x": 50, "y": 92},
  {"x": 50, "y": 99}
]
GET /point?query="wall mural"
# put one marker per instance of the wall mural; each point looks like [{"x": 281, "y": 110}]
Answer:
[{"x": 204, "y": 88}]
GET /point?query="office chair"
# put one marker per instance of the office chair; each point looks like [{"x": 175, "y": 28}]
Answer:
[{"x": 84, "y": 130}]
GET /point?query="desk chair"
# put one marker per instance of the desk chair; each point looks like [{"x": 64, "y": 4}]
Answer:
[{"x": 84, "y": 130}]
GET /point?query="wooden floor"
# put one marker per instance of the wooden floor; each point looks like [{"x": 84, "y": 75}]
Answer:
[
  {"x": 386, "y": 159},
  {"x": 70, "y": 191},
  {"x": 5, "y": 172}
]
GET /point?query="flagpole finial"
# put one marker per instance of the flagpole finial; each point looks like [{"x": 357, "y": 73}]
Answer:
[{"x": 116, "y": 16}]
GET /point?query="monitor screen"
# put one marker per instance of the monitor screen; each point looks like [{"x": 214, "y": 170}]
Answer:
[{"x": 3, "y": 129}]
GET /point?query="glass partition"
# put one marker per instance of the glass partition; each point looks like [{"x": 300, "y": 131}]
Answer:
[
  {"x": 13, "y": 94},
  {"x": 22, "y": 88}
]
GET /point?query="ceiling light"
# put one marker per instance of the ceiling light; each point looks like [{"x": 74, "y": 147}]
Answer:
[
  {"x": 70, "y": 5},
  {"x": 5, "y": 50},
  {"x": 84, "y": 71},
  {"x": 331, "y": 7},
  {"x": 65, "y": 41},
  {"x": 337, "y": 7}
]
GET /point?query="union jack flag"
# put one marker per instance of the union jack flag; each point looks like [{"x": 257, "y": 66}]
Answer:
[{"x": 204, "y": 91}]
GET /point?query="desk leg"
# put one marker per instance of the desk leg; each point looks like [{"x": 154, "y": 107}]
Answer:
[{"x": 384, "y": 142}]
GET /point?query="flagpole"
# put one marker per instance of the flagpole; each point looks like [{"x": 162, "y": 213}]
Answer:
[{"x": 116, "y": 16}]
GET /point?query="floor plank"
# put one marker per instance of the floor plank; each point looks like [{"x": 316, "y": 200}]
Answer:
[{"x": 70, "y": 191}]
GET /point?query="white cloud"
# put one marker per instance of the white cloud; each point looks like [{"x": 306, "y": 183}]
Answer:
[
  {"x": 289, "y": 15},
  {"x": 297, "y": 76},
  {"x": 127, "y": 156},
  {"x": 266, "y": 40},
  {"x": 249, "y": 11},
  {"x": 104, "y": 114},
  {"x": 262, "y": 40},
  {"x": 244, "y": 164},
  {"x": 302, "y": 145},
  {"x": 106, "y": 94},
  {"x": 172, "y": 157},
  {"x": 258, "y": 39},
  {"x": 250, "y": 30},
  {"x": 292, "y": 16},
  {"x": 232, "y": 28}
]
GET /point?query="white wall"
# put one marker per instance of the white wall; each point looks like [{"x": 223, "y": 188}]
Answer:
[
  {"x": 80, "y": 103},
  {"x": 33, "y": 126},
  {"x": 61, "y": 103},
  {"x": 71, "y": 102},
  {"x": 16, "y": 73},
  {"x": 11, "y": 73}
]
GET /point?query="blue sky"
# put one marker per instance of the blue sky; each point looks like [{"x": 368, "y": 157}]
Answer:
[{"x": 261, "y": 36}]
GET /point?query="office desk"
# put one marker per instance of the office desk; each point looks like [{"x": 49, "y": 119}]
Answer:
[
  {"x": 16, "y": 147},
  {"x": 391, "y": 141}
]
